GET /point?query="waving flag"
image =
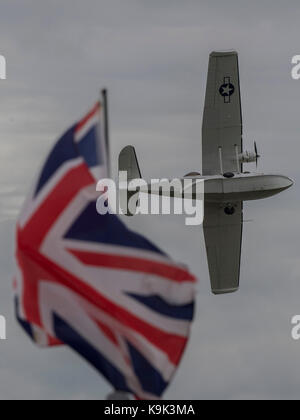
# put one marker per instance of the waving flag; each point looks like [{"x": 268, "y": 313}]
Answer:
[{"x": 86, "y": 281}]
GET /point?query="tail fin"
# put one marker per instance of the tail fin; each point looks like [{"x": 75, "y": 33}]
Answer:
[{"x": 128, "y": 163}]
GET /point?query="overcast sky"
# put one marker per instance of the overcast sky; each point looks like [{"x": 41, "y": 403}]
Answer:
[{"x": 153, "y": 56}]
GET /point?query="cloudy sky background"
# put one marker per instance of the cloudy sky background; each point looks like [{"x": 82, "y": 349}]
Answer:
[{"x": 153, "y": 57}]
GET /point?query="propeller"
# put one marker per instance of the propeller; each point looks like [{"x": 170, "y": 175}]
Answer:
[{"x": 257, "y": 156}]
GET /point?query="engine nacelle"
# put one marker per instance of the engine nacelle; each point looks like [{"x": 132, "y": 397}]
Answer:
[{"x": 248, "y": 157}]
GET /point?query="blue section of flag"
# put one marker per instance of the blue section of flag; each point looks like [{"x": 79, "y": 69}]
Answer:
[
  {"x": 66, "y": 149},
  {"x": 156, "y": 303},
  {"x": 65, "y": 333},
  {"x": 150, "y": 379},
  {"x": 63, "y": 151},
  {"x": 87, "y": 148},
  {"x": 92, "y": 227}
]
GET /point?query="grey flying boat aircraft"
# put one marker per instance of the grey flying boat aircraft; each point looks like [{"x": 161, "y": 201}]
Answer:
[{"x": 226, "y": 185}]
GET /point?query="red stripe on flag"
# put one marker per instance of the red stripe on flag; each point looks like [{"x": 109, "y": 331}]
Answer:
[
  {"x": 51, "y": 208},
  {"x": 82, "y": 123},
  {"x": 107, "y": 331},
  {"x": 173, "y": 345},
  {"x": 121, "y": 262}
]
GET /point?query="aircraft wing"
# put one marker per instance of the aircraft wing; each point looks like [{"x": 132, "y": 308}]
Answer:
[
  {"x": 222, "y": 118},
  {"x": 223, "y": 239}
]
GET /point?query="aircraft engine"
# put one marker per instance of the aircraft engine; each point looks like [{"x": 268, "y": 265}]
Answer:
[{"x": 250, "y": 156}]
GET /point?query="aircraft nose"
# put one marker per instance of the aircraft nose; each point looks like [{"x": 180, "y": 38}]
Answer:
[
  {"x": 290, "y": 182},
  {"x": 287, "y": 182}
]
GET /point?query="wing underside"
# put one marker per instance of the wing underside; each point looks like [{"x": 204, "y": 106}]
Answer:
[
  {"x": 222, "y": 118},
  {"x": 221, "y": 141},
  {"x": 223, "y": 238}
]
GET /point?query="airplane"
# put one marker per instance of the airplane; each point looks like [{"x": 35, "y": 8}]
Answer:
[{"x": 226, "y": 184}]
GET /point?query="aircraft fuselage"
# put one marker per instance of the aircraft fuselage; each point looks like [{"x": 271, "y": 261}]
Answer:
[
  {"x": 236, "y": 187},
  {"x": 244, "y": 186}
]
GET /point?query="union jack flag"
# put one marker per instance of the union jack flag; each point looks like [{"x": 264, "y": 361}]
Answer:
[{"x": 87, "y": 281}]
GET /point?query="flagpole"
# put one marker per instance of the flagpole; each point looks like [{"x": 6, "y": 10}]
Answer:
[{"x": 106, "y": 127}]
